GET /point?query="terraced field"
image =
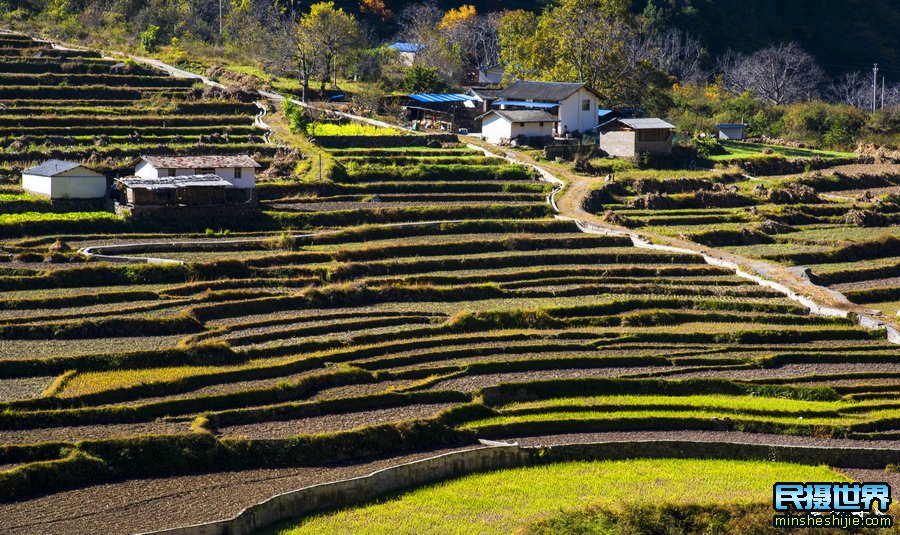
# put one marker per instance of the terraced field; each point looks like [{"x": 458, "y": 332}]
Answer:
[
  {"x": 434, "y": 300},
  {"x": 842, "y": 223},
  {"x": 77, "y": 105}
]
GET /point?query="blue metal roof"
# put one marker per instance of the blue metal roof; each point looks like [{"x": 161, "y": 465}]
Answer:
[
  {"x": 406, "y": 47},
  {"x": 729, "y": 125},
  {"x": 525, "y": 104},
  {"x": 440, "y": 97},
  {"x": 601, "y": 112}
]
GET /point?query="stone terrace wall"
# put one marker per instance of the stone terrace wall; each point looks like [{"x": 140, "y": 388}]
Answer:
[
  {"x": 298, "y": 503},
  {"x": 340, "y": 142}
]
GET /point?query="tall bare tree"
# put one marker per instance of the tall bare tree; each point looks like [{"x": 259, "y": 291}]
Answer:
[{"x": 781, "y": 74}]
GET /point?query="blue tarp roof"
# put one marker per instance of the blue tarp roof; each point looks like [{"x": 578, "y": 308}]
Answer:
[
  {"x": 406, "y": 47},
  {"x": 525, "y": 104},
  {"x": 601, "y": 112},
  {"x": 440, "y": 97}
]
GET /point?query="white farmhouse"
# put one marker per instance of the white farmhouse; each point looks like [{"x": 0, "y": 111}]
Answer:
[
  {"x": 504, "y": 126},
  {"x": 239, "y": 170},
  {"x": 57, "y": 179},
  {"x": 576, "y": 104}
]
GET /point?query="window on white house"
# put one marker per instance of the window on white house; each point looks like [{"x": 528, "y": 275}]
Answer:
[
  {"x": 237, "y": 172},
  {"x": 542, "y": 123},
  {"x": 521, "y": 124},
  {"x": 172, "y": 171},
  {"x": 586, "y": 105}
]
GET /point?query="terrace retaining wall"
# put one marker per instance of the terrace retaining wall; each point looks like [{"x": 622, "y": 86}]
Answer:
[
  {"x": 381, "y": 142},
  {"x": 498, "y": 455}
]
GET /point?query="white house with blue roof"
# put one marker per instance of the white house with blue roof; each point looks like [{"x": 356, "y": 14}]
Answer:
[
  {"x": 58, "y": 179},
  {"x": 575, "y": 105},
  {"x": 406, "y": 51}
]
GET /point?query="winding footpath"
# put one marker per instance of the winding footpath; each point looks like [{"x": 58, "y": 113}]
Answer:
[{"x": 150, "y": 504}]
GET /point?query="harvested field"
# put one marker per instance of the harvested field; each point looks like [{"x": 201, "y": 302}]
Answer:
[{"x": 258, "y": 366}]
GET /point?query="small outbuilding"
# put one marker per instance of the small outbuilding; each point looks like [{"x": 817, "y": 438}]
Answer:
[
  {"x": 407, "y": 52},
  {"x": 58, "y": 179},
  {"x": 735, "y": 131},
  {"x": 627, "y": 138},
  {"x": 492, "y": 75},
  {"x": 505, "y": 126},
  {"x": 239, "y": 170},
  {"x": 186, "y": 190}
]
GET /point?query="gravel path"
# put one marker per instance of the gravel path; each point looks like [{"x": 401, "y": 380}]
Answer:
[
  {"x": 333, "y": 422},
  {"x": 89, "y": 432},
  {"x": 24, "y": 388},
  {"x": 151, "y": 504}
]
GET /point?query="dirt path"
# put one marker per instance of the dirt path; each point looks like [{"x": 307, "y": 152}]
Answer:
[
  {"x": 142, "y": 505},
  {"x": 569, "y": 202}
]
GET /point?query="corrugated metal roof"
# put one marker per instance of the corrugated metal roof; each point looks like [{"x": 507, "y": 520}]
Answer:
[
  {"x": 52, "y": 168},
  {"x": 525, "y": 104},
  {"x": 641, "y": 124},
  {"x": 552, "y": 91},
  {"x": 200, "y": 162},
  {"x": 406, "y": 47},
  {"x": 440, "y": 97},
  {"x": 524, "y": 116},
  {"x": 173, "y": 182}
]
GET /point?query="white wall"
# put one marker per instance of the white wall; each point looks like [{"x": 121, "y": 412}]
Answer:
[
  {"x": 571, "y": 116},
  {"x": 145, "y": 170},
  {"x": 731, "y": 133},
  {"x": 496, "y": 129},
  {"x": 39, "y": 185},
  {"x": 75, "y": 184},
  {"x": 532, "y": 130},
  {"x": 247, "y": 180}
]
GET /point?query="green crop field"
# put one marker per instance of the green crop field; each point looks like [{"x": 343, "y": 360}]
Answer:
[
  {"x": 78, "y": 106},
  {"x": 508, "y": 501},
  {"x": 418, "y": 298}
]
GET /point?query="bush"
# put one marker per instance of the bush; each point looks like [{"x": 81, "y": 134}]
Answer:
[
  {"x": 420, "y": 79},
  {"x": 150, "y": 38}
]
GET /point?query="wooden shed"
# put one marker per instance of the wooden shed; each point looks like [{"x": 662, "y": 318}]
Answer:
[{"x": 189, "y": 190}]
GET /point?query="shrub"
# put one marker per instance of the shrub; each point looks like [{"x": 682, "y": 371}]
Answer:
[
  {"x": 150, "y": 38},
  {"x": 421, "y": 79}
]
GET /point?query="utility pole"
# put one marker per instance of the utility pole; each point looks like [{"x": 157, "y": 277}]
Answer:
[
  {"x": 220, "y": 20},
  {"x": 882, "y": 92},
  {"x": 874, "y": 86}
]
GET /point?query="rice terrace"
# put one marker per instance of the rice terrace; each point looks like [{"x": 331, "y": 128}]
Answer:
[{"x": 410, "y": 268}]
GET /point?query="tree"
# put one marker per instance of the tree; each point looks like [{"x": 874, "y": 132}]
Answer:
[
  {"x": 589, "y": 41},
  {"x": 781, "y": 74},
  {"x": 421, "y": 79},
  {"x": 420, "y": 25},
  {"x": 324, "y": 34},
  {"x": 150, "y": 38}
]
